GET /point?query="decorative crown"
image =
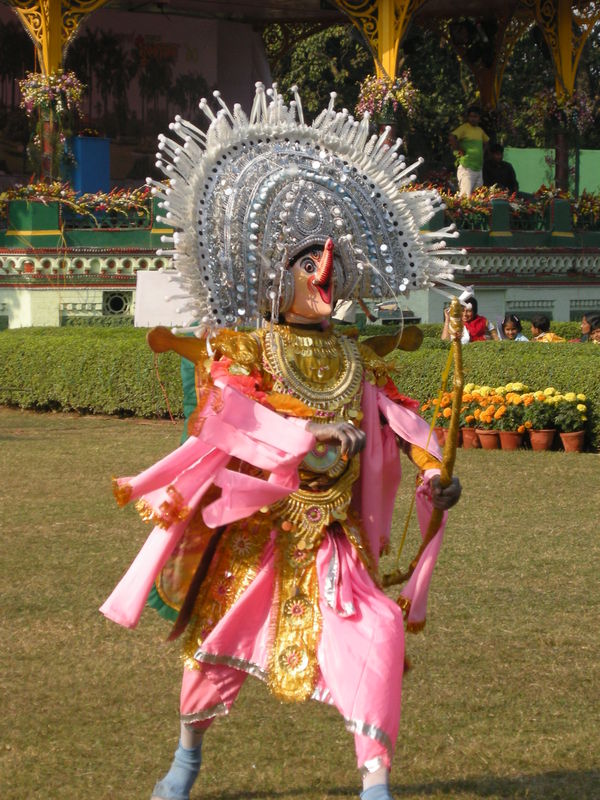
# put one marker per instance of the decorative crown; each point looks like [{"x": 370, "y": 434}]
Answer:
[{"x": 249, "y": 194}]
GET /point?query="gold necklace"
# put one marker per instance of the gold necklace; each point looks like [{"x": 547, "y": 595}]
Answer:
[{"x": 321, "y": 369}]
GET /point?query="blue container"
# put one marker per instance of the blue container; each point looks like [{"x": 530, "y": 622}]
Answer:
[{"x": 91, "y": 171}]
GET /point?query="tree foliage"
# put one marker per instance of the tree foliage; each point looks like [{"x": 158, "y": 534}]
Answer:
[
  {"x": 332, "y": 59},
  {"x": 337, "y": 59}
]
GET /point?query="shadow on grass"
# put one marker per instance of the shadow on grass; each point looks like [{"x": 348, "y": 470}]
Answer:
[{"x": 555, "y": 785}]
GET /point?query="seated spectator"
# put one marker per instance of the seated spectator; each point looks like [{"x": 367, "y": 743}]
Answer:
[
  {"x": 497, "y": 172},
  {"x": 540, "y": 330},
  {"x": 594, "y": 323},
  {"x": 589, "y": 319},
  {"x": 511, "y": 329},
  {"x": 478, "y": 328}
]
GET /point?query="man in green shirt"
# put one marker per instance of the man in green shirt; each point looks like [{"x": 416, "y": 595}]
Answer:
[{"x": 468, "y": 142}]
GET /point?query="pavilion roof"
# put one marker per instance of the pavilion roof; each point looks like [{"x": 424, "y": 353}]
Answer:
[{"x": 266, "y": 11}]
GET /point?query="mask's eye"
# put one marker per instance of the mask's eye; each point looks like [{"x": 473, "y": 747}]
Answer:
[{"x": 308, "y": 265}]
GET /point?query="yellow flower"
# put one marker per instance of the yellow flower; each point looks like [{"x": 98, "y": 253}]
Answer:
[
  {"x": 501, "y": 389},
  {"x": 519, "y": 387},
  {"x": 517, "y": 399},
  {"x": 581, "y": 407},
  {"x": 581, "y": 397},
  {"x": 469, "y": 387},
  {"x": 485, "y": 390},
  {"x": 528, "y": 424},
  {"x": 549, "y": 391},
  {"x": 571, "y": 397},
  {"x": 583, "y": 418}
]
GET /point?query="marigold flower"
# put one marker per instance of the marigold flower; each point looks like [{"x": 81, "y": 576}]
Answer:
[
  {"x": 529, "y": 424},
  {"x": 581, "y": 407},
  {"x": 571, "y": 397},
  {"x": 447, "y": 413},
  {"x": 477, "y": 413},
  {"x": 500, "y": 413},
  {"x": 470, "y": 418},
  {"x": 521, "y": 429},
  {"x": 581, "y": 397},
  {"x": 549, "y": 391}
]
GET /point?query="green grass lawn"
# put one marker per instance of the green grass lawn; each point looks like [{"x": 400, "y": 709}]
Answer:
[{"x": 502, "y": 701}]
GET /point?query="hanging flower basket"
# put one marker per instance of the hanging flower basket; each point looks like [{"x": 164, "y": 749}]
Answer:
[
  {"x": 389, "y": 102},
  {"x": 51, "y": 102}
]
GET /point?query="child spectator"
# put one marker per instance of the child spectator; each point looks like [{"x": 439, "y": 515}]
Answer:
[
  {"x": 540, "y": 329},
  {"x": 512, "y": 329}
]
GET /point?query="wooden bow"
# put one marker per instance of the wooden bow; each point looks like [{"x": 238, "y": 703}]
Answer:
[{"x": 451, "y": 444}]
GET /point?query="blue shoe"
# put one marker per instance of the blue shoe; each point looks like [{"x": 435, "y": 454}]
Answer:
[
  {"x": 379, "y": 792},
  {"x": 180, "y": 778}
]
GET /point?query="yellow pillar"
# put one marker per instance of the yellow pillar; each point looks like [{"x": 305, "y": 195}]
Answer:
[
  {"x": 51, "y": 24},
  {"x": 566, "y": 28},
  {"x": 383, "y": 24}
]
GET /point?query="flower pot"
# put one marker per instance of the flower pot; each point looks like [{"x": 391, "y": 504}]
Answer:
[
  {"x": 488, "y": 439},
  {"x": 470, "y": 440},
  {"x": 510, "y": 440},
  {"x": 441, "y": 434},
  {"x": 541, "y": 439},
  {"x": 573, "y": 441}
]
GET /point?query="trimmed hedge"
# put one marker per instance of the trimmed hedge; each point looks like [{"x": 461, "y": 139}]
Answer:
[
  {"x": 90, "y": 370},
  {"x": 111, "y": 371}
]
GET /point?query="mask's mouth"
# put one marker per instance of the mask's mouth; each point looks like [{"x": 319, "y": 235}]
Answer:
[{"x": 323, "y": 280}]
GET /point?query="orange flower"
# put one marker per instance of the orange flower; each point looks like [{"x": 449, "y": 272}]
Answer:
[
  {"x": 470, "y": 418},
  {"x": 521, "y": 429},
  {"x": 528, "y": 424},
  {"x": 447, "y": 413},
  {"x": 477, "y": 413},
  {"x": 500, "y": 413}
]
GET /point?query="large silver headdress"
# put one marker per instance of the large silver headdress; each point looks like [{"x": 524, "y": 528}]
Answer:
[{"x": 252, "y": 192}]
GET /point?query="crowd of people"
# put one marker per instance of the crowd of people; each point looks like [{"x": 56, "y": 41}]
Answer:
[{"x": 477, "y": 328}]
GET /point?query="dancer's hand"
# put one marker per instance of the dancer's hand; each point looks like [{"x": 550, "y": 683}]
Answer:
[
  {"x": 445, "y": 498},
  {"x": 350, "y": 439}
]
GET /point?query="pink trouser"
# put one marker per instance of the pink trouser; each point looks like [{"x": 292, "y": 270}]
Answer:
[
  {"x": 199, "y": 692},
  {"x": 360, "y": 655}
]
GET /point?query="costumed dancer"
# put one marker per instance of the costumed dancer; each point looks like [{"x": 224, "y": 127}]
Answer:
[{"x": 270, "y": 519}]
